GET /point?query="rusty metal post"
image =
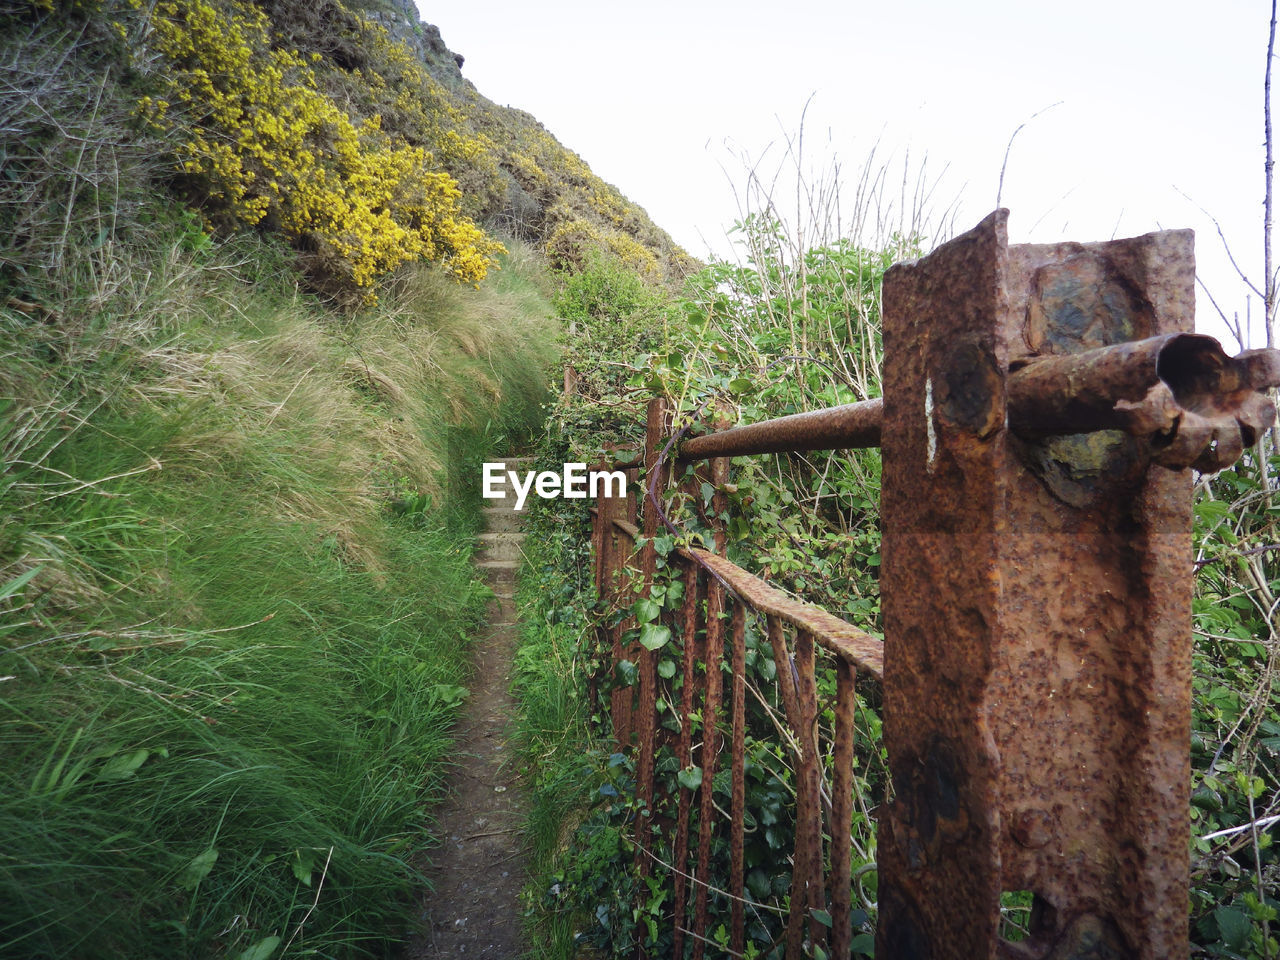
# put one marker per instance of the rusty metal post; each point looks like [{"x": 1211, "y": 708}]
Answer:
[
  {"x": 1036, "y": 597},
  {"x": 646, "y": 718},
  {"x": 691, "y": 655},
  {"x": 614, "y": 550},
  {"x": 719, "y": 472},
  {"x": 842, "y": 787},
  {"x": 738, "y": 788}
]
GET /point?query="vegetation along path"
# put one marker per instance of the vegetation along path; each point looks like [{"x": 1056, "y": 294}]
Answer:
[{"x": 473, "y": 906}]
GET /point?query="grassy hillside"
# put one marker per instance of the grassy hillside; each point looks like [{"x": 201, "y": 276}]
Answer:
[
  {"x": 237, "y": 599},
  {"x": 242, "y": 406}
]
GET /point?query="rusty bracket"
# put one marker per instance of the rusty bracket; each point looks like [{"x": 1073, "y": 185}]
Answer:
[
  {"x": 1192, "y": 404},
  {"x": 1197, "y": 406}
]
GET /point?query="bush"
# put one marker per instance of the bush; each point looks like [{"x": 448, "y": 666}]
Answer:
[{"x": 260, "y": 143}]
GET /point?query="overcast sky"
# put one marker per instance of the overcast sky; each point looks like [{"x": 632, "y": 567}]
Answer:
[{"x": 1154, "y": 100}]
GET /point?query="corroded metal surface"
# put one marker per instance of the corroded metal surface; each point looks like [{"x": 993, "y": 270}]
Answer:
[
  {"x": 712, "y": 687},
  {"x": 937, "y": 846},
  {"x": 843, "y": 639},
  {"x": 1180, "y": 392},
  {"x": 737, "y": 808},
  {"x": 834, "y": 428},
  {"x": 646, "y": 715},
  {"x": 1036, "y": 600},
  {"x": 840, "y": 880}
]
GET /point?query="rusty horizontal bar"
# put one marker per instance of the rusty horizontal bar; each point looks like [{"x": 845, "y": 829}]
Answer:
[
  {"x": 833, "y": 428},
  {"x": 843, "y": 639},
  {"x": 1198, "y": 406}
]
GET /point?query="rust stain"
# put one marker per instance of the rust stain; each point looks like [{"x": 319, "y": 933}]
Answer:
[
  {"x": 852, "y": 425},
  {"x": 843, "y": 639},
  {"x": 1035, "y": 591}
]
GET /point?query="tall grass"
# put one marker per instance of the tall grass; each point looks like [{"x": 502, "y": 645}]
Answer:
[{"x": 236, "y": 594}]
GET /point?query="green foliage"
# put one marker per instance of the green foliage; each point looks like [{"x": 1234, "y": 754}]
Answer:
[
  {"x": 780, "y": 334},
  {"x": 720, "y": 341},
  {"x": 554, "y": 731},
  {"x": 1235, "y": 741}
]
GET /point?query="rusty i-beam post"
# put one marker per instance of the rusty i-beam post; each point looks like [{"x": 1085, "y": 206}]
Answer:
[{"x": 1036, "y": 594}]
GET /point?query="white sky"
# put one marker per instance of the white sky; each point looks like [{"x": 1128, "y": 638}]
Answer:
[{"x": 662, "y": 99}]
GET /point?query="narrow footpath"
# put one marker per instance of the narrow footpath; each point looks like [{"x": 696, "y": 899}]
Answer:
[{"x": 473, "y": 907}]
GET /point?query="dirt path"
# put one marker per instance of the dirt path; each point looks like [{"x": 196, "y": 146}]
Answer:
[{"x": 474, "y": 909}]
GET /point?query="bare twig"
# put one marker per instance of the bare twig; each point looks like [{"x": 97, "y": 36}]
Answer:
[
  {"x": 319, "y": 886},
  {"x": 1268, "y": 278},
  {"x": 1253, "y": 825},
  {"x": 1009, "y": 146}
]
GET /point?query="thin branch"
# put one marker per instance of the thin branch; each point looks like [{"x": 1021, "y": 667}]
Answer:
[
  {"x": 1227, "y": 247},
  {"x": 319, "y": 886},
  {"x": 1009, "y": 146},
  {"x": 1241, "y": 828},
  {"x": 1268, "y": 277}
]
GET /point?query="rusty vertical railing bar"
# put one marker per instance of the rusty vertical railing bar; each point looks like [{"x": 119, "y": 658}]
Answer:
[
  {"x": 786, "y": 679},
  {"x": 807, "y": 878},
  {"x": 646, "y": 719},
  {"x": 784, "y": 675},
  {"x": 840, "y": 880},
  {"x": 713, "y": 659},
  {"x": 618, "y": 549},
  {"x": 604, "y": 539},
  {"x": 684, "y": 750},
  {"x": 737, "y": 808}
]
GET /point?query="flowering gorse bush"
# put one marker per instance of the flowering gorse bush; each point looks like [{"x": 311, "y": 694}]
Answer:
[{"x": 265, "y": 146}]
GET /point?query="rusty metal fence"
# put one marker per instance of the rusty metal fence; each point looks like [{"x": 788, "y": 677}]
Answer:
[{"x": 1043, "y": 407}]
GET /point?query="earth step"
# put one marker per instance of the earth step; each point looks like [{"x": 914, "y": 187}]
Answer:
[{"x": 499, "y": 564}]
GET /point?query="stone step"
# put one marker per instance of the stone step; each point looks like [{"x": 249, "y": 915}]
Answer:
[{"x": 500, "y": 538}]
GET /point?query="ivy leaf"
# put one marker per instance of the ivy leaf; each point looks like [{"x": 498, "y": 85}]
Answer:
[
  {"x": 690, "y": 778},
  {"x": 645, "y": 610},
  {"x": 822, "y": 916},
  {"x": 1234, "y": 927},
  {"x": 864, "y": 944},
  {"x": 667, "y": 669},
  {"x": 654, "y": 636}
]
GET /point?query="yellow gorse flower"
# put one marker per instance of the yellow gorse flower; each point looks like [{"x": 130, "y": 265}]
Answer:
[{"x": 266, "y": 144}]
